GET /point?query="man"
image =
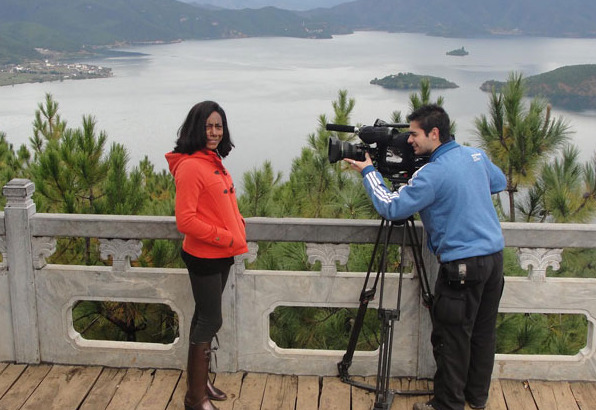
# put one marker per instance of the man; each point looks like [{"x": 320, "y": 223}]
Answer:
[{"x": 452, "y": 193}]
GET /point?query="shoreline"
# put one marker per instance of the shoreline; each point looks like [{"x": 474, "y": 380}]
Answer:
[
  {"x": 61, "y": 67},
  {"x": 46, "y": 71}
]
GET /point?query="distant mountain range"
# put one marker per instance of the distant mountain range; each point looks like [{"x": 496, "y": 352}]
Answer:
[
  {"x": 258, "y": 4},
  {"x": 30, "y": 28},
  {"x": 466, "y": 18}
]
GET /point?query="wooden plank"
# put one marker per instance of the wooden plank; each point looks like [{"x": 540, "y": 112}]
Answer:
[
  {"x": 416, "y": 385},
  {"x": 161, "y": 390},
  {"x": 177, "y": 399},
  {"x": 584, "y": 393},
  {"x": 400, "y": 402},
  {"x": 251, "y": 394},
  {"x": 24, "y": 387},
  {"x": 8, "y": 375},
  {"x": 64, "y": 387},
  {"x": 335, "y": 395},
  {"x": 104, "y": 389},
  {"x": 405, "y": 402},
  {"x": 132, "y": 388},
  {"x": 230, "y": 383},
  {"x": 553, "y": 395},
  {"x": 280, "y": 392},
  {"x": 308, "y": 393},
  {"x": 400, "y": 387},
  {"x": 496, "y": 401},
  {"x": 363, "y": 399},
  {"x": 517, "y": 395}
]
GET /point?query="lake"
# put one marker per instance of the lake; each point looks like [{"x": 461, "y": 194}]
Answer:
[{"x": 275, "y": 89}]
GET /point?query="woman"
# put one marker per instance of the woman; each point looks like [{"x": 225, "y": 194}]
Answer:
[{"x": 207, "y": 214}]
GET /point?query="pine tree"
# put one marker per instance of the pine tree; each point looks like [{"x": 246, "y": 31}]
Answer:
[
  {"x": 259, "y": 186},
  {"x": 518, "y": 139},
  {"x": 12, "y": 164},
  {"x": 564, "y": 191}
]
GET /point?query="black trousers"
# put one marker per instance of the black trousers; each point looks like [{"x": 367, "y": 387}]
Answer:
[
  {"x": 208, "y": 279},
  {"x": 464, "y": 314}
]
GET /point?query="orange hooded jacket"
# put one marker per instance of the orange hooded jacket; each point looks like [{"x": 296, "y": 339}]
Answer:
[{"x": 206, "y": 209}]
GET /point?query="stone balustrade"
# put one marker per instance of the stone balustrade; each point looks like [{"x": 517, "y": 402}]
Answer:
[{"x": 36, "y": 297}]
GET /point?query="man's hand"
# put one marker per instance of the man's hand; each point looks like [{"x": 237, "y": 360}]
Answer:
[{"x": 359, "y": 165}]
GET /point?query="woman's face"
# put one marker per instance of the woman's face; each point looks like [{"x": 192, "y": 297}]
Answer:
[{"x": 214, "y": 130}]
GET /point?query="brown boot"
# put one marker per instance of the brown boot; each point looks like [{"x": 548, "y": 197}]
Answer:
[
  {"x": 214, "y": 393},
  {"x": 197, "y": 374}
]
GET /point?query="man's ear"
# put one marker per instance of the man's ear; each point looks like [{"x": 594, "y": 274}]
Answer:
[{"x": 434, "y": 134}]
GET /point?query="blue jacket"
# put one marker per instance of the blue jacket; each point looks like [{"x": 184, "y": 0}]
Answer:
[{"x": 452, "y": 193}]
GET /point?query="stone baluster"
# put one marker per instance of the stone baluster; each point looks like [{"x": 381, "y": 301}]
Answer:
[
  {"x": 122, "y": 252},
  {"x": 537, "y": 260},
  {"x": 328, "y": 254}
]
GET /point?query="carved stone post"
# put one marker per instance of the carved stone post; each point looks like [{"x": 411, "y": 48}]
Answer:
[{"x": 17, "y": 212}]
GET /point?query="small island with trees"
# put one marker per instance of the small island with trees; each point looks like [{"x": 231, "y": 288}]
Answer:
[
  {"x": 409, "y": 81},
  {"x": 458, "y": 52},
  {"x": 570, "y": 87}
]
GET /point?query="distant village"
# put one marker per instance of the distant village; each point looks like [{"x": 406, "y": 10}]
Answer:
[{"x": 41, "y": 71}]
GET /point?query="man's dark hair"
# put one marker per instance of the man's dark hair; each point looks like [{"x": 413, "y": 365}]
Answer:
[
  {"x": 431, "y": 116},
  {"x": 192, "y": 135}
]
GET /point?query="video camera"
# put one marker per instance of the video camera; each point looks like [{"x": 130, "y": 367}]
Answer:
[{"x": 393, "y": 157}]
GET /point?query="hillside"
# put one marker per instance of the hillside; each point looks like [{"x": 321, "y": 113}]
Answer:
[
  {"x": 257, "y": 4},
  {"x": 74, "y": 25},
  {"x": 569, "y": 87},
  {"x": 466, "y": 18},
  {"x": 26, "y": 26}
]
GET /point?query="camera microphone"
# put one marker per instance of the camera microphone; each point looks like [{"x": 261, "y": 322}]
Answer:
[{"x": 341, "y": 128}]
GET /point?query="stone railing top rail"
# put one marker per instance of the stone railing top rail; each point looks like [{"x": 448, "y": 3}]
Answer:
[{"x": 517, "y": 234}]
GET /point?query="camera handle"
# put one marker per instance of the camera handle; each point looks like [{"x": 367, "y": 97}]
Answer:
[{"x": 384, "y": 395}]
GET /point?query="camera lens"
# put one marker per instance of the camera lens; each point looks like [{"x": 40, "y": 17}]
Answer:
[
  {"x": 341, "y": 149},
  {"x": 335, "y": 152}
]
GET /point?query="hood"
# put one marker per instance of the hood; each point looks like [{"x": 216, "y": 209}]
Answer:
[{"x": 175, "y": 158}]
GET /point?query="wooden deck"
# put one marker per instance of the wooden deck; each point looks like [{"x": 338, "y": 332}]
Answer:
[{"x": 97, "y": 388}]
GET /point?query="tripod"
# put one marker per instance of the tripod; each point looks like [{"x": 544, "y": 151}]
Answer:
[{"x": 388, "y": 317}]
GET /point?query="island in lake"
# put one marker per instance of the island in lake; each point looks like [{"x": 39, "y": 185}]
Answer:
[
  {"x": 570, "y": 87},
  {"x": 409, "y": 81},
  {"x": 458, "y": 52}
]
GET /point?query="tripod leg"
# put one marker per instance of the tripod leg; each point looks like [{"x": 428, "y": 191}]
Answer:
[
  {"x": 346, "y": 362},
  {"x": 383, "y": 395},
  {"x": 365, "y": 297},
  {"x": 425, "y": 290}
]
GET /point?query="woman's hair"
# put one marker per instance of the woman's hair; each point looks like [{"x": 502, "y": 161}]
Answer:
[
  {"x": 192, "y": 136},
  {"x": 431, "y": 116}
]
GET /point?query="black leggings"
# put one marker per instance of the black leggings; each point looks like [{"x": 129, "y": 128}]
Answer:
[{"x": 208, "y": 279}]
